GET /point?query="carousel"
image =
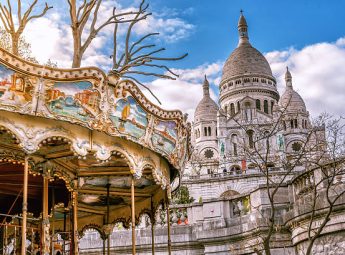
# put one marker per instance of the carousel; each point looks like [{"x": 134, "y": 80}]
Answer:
[{"x": 80, "y": 150}]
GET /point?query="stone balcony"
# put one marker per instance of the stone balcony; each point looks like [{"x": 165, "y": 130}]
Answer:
[{"x": 197, "y": 228}]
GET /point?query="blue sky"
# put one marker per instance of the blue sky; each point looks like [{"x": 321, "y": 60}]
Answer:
[
  {"x": 307, "y": 35},
  {"x": 273, "y": 25}
]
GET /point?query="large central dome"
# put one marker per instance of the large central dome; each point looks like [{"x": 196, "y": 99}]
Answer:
[
  {"x": 245, "y": 59},
  {"x": 246, "y": 73}
]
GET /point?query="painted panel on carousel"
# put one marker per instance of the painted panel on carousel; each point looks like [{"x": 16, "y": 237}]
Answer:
[
  {"x": 129, "y": 117},
  {"x": 15, "y": 90},
  {"x": 99, "y": 200},
  {"x": 165, "y": 135},
  {"x": 114, "y": 181},
  {"x": 73, "y": 100}
]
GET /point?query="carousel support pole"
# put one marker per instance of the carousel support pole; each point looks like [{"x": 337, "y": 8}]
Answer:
[
  {"x": 70, "y": 226},
  {"x": 64, "y": 231},
  {"x": 15, "y": 241},
  {"x": 103, "y": 246},
  {"x": 133, "y": 216},
  {"x": 53, "y": 219},
  {"x": 108, "y": 210},
  {"x": 25, "y": 205},
  {"x": 32, "y": 241},
  {"x": 75, "y": 223},
  {"x": 168, "y": 222},
  {"x": 5, "y": 241},
  {"x": 45, "y": 223},
  {"x": 152, "y": 227}
]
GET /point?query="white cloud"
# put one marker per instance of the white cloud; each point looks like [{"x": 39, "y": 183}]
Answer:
[
  {"x": 51, "y": 38},
  {"x": 170, "y": 29},
  {"x": 318, "y": 73},
  {"x": 185, "y": 92}
]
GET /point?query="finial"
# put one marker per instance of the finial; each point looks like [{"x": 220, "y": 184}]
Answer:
[
  {"x": 288, "y": 78},
  {"x": 206, "y": 87},
  {"x": 242, "y": 28}
]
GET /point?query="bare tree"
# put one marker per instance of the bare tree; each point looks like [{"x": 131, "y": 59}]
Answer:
[
  {"x": 7, "y": 19},
  {"x": 80, "y": 15},
  {"x": 261, "y": 152},
  {"x": 326, "y": 179},
  {"x": 138, "y": 56},
  {"x": 24, "y": 48}
]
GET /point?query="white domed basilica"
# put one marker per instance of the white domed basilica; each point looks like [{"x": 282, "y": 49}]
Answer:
[{"x": 249, "y": 102}]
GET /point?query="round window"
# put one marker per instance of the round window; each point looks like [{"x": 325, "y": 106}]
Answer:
[
  {"x": 208, "y": 153},
  {"x": 296, "y": 146}
]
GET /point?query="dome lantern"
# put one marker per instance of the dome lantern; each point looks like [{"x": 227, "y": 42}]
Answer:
[
  {"x": 206, "y": 87},
  {"x": 242, "y": 29},
  {"x": 288, "y": 78}
]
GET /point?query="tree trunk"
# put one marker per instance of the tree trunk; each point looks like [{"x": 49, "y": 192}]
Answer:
[
  {"x": 76, "y": 60},
  {"x": 76, "y": 48},
  {"x": 267, "y": 247},
  {"x": 310, "y": 247},
  {"x": 15, "y": 44}
]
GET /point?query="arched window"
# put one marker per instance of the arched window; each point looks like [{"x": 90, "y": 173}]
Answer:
[
  {"x": 232, "y": 109},
  {"x": 258, "y": 104},
  {"x": 272, "y": 105},
  {"x": 291, "y": 123},
  {"x": 209, "y": 131},
  {"x": 226, "y": 110},
  {"x": 238, "y": 106},
  {"x": 236, "y": 169},
  {"x": 205, "y": 131},
  {"x": 284, "y": 125},
  {"x": 250, "y": 134},
  {"x": 296, "y": 124},
  {"x": 266, "y": 106},
  {"x": 234, "y": 144},
  {"x": 248, "y": 111}
]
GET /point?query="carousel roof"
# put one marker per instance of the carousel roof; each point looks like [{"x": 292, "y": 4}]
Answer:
[{"x": 88, "y": 133}]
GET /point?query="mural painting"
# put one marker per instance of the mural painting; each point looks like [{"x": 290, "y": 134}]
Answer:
[
  {"x": 76, "y": 100},
  {"x": 129, "y": 117},
  {"x": 14, "y": 90},
  {"x": 165, "y": 135},
  {"x": 114, "y": 181}
]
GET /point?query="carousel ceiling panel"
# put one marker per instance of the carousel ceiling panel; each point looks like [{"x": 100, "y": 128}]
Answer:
[
  {"x": 97, "y": 200},
  {"x": 115, "y": 182},
  {"x": 11, "y": 191},
  {"x": 89, "y": 98}
]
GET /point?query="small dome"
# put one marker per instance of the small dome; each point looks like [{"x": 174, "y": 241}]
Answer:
[
  {"x": 245, "y": 59},
  {"x": 290, "y": 98},
  {"x": 207, "y": 108}
]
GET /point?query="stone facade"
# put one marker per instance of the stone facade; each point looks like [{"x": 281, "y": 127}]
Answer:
[{"x": 231, "y": 206}]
